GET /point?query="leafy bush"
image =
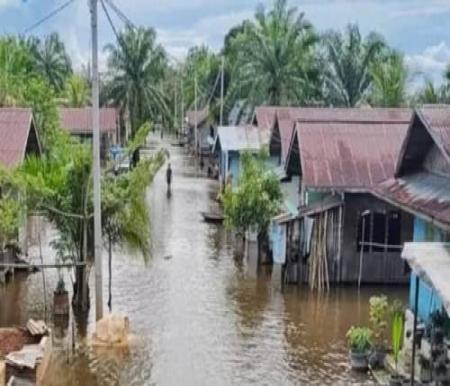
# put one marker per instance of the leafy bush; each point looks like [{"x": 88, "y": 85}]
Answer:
[
  {"x": 257, "y": 198},
  {"x": 378, "y": 313},
  {"x": 398, "y": 321},
  {"x": 360, "y": 339}
]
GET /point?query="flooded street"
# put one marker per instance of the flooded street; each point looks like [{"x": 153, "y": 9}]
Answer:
[{"x": 200, "y": 316}]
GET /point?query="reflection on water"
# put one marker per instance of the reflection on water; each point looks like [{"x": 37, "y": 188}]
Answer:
[{"x": 202, "y": 316}]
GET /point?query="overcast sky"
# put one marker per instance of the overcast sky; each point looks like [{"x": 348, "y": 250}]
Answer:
[{"x": 418, "y": 28}]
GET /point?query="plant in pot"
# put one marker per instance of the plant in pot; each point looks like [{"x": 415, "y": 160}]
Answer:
[
  {"x": 360, "y": 343},
  {"x": 398, "y": 322},
  {"x": 378, "y": 312}
]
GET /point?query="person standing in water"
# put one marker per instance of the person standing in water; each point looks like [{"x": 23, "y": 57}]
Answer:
[{"x": 168, "y": 177}]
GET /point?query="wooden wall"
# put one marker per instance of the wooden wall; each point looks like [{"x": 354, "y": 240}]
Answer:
[{"x": 378, "y": 267}]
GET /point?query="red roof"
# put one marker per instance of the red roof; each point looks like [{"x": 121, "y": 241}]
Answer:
[
  {"x": 267, "y": 116},
  {"x": 348, "y": 156},
  {"x": 418, "y": 190},
  {"x": 15, "y": 125},
  {"x": 264, "y": 117},
  {"x": 79, "y": 120},
  {"x": 437, "y": 121}
]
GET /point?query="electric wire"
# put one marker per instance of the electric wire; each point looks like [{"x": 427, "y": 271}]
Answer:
[{"x": 48, "y": 17}]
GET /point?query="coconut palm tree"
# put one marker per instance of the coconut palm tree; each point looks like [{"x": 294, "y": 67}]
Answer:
[
  {"x": 51, "y": 60},
  {"x": 14, "y": 67},
  {"x": 76, "y": 91},
  {"x": 432, "y": 94},
  {"x": 389, "y": 81},
  {"x": 348, "y": 59},
  {"x": 136, "y": 69},
  {"x": 275, "y": 57}
]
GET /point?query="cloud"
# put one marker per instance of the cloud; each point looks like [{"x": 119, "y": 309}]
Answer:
[
  {"x": 207, "y": 31},
  {"x": 437, "y": 7},
  {"x": 9, "y": 3},
  {"x": 430, "y": 63}
]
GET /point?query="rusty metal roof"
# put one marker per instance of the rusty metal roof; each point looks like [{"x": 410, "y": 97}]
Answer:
[
  {"x": 79, "y": 120},
  {"x": 241, "y": 138},
  {"x": 199, "y": 115},
  {"x": 264, "y": 117},
  {"x": 286, "y": 117},
  {"x": 422, "y": 193},
  {"x": 437, "y": 121},
  {"x": 348, "y": 156},
  {"x": 15, "y": 125},
  {"x": 417, "y": 190}
]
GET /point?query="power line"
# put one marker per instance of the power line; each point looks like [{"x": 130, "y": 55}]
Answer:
[
  {"x": 120, "y": 14},
  {"x": 49, "y": 16}
]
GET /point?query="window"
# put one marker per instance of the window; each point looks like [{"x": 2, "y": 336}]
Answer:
[
  {"x": 382, "y": 231},
  {"x": 394, "y": 230},
  {"x": 378, "y": 231},
  {"x": 364, "y": 231}
]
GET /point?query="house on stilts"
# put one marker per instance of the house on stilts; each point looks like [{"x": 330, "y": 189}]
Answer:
[
  {"x": 421, "y": 188},
  {"x": 343, "y": 233},
  {"x": 18, "y": 139}
]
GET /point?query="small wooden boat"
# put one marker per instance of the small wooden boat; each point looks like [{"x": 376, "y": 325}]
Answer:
[{"x": 213, "y": 217}]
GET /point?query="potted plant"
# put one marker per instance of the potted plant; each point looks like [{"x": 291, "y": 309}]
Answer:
[
  {"x": 378, "y": 312},
  {"x": 360, "y": 343},
  {"x": 398, "y": 321}
]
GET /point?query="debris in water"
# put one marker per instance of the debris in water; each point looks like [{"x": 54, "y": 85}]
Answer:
[
  {"x": 112, "y": 331},
  {"x": 37, "y": 327},
  {"x": 28, "y": 357}
]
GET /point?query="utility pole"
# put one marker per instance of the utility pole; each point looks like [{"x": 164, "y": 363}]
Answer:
[
  {"x": 182, "y": 107},
  {"x": 196, "y": 111},
  {"x": 96, "y": 166},
  {"x": 175, "y": 106},
  {"x": 222, "y": 75}
]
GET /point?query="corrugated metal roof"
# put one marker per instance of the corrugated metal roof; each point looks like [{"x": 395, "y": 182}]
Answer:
[
  {"x": 320, "y": 206},
  {"x": 15, "y": 124},
  {"x": 264, "y": 117},
  {"x": 431, "y": 262},
  {"x": 348, "y": 156},
  {"x": 79, "y": 120},
  {"x": 286, "y": 117},
  {"x": 241, "y": 138},
  {"x": 437, "y": 121},
  {"x": 422, "y": 193},
  {"x": 199, "y": 115}
]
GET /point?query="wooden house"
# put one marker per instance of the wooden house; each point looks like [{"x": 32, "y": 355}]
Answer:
[
  {"x": 18, "y": 139},
  {"x": 343, "y": 233},
  {"x": 205, "y": 131},
  {"x": 78, "y": 122},
  {"x": 229, "y": 144},
  {"x": 421, "y": 187}
]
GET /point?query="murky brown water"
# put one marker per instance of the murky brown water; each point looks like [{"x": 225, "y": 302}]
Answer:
[{"x": 200, "y": 316}]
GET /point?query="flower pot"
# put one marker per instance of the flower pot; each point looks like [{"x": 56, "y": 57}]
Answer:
[
  {"x": 376, "y": 358},
  {"x": 396, "y": 380},
  {"x": 359, "y": 360},
  {"x": 61, "y": 303}
]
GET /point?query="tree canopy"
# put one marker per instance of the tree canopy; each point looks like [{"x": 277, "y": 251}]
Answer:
[
  {"x": 256, "y": 199},
  {"x": 136, "y": 70}
]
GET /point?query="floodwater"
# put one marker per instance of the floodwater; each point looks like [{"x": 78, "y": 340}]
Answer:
[{"x": 199, "y": 315}]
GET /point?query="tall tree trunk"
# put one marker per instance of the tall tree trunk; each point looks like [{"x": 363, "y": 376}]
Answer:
[
  {"x": 110, "y": 274},
  {"x": 80, "y": 299}
]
